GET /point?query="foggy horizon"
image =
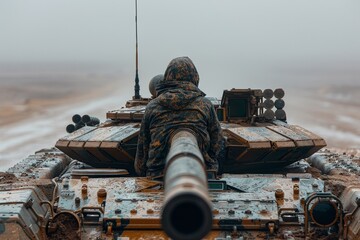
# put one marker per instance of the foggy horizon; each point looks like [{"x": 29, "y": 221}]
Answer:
[{"x": 240, "y": 43}]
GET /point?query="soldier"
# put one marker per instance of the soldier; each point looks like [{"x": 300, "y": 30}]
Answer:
[{"x": 179, "y": 104}]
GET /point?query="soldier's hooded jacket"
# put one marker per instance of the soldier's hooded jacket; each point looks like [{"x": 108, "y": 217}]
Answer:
[{"x": 179, "y": 104}]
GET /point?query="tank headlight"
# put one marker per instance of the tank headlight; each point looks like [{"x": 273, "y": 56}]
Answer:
[
  {"x": 324, "y": 213},
  {"x": 323, "y": 210}
]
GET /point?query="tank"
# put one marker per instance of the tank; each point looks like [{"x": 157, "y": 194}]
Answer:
[{"x": 276, "y": 181}]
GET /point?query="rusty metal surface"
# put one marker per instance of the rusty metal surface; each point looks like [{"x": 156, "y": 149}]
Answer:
[
  {"x": 139, "y": 210},
  {"x": 45, "y": 164},
  {"x": 249, "y": 149},
  {"x": 13, "y": 210},
  {"x": 257, "y": 147},
  {"x": 72, "y": 189},
  {"x": 350, "y": 199},
  {"x": 291, "y": 134},
  {"x": 96, "y": 172},
  {"x": 106, "y": 146},
  {"x": 304, "y": 145},
  {"x": 248, "y": 136},
  {"x": 124, "y": 133},
  {"x": 350, "y": 196},
  {"x": 305, "y": 132},
  {"x": 134, "y": 113},
  {"x": 270, "y": 183},
  {"x": 317, "y": 141},
  {"x": 280, "y": 145},
  {"x": 127, "y": 201},
  {"x": 268, "y": 134},
  {"x": 252, "y": 210},
  {"x": 11, "y": 231},
  {"x": 329, "y": 162},
  {"x": 78, "y": 133},
  {"x": 142, "y": 210},
  {"x": 100, "y": 134},
  {"x": 110, "y": 133}
]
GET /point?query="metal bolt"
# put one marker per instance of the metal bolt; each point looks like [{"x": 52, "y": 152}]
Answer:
[
  {"x": 77, "y": 201},
  {"x": 109, "y": 228},
  {"x": 117, "y": 211},
  {"x": 231, "y": 201},
  {"x": 231, "y": 212},
  {"x": 296, "y": 189},
  {"x": 84, "y": 189},
  {"x": 84, "y": 178},
  {"x": 248, "y": 212},
  {"x": 150, "y": 211},
  {"x": 302, "y": 201},
  {"x": 101, "y": 193},
  {"x": 118, "y": 200},
  {"x": 263, "y": 211},
  {"x": 279, "y": 194},
  {"x": 133, "y": 211},
  {"x": 66, "y": 183}
]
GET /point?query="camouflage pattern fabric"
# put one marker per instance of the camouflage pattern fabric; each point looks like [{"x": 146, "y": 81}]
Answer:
[
  {"x": 182, "y": 69},
  {"x": 180, "y": 104}
]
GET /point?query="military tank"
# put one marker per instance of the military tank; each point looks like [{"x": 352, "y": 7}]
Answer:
[
  {"x": 275, "y": 181},
  {"x": 86, "y": 188}
]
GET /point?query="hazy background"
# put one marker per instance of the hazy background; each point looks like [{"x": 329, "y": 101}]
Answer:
[
  {"x": 247, "y": 43},
  {"x": 54, "y": 54}
]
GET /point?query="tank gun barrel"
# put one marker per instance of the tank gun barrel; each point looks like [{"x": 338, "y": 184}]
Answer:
[{"x": 187, "y": 211}]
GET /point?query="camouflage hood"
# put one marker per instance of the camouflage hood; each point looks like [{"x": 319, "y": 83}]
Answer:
[
  {"x": 182, "y": 69},
  {"x": 177, "y": 95},
  {"x": 179, "y": 87}
]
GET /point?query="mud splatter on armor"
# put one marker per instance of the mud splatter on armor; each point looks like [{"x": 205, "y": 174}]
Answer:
[{"x": 180, "y": 104}]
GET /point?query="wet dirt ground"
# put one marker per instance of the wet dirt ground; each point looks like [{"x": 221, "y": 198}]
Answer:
[{"x": 35, "y": 112}]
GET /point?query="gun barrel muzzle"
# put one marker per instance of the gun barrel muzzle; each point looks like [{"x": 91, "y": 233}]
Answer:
[
  {"x": 90, "y": 121},
  {"x": 70, "y": 128},
  {"x": 76, "y": 118},
  {"x": 187, "y": 211}
]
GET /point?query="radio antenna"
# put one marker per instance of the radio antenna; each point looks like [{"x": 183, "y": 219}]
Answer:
[{"x": 137, "y": 86}]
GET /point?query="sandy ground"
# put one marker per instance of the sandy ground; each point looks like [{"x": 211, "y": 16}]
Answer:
[
  {"x": 35, "y": 109},
  {"x": 331, "y": 111}
]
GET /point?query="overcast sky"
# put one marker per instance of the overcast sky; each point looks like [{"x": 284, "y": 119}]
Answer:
[{"x": 239, "y": 43}]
